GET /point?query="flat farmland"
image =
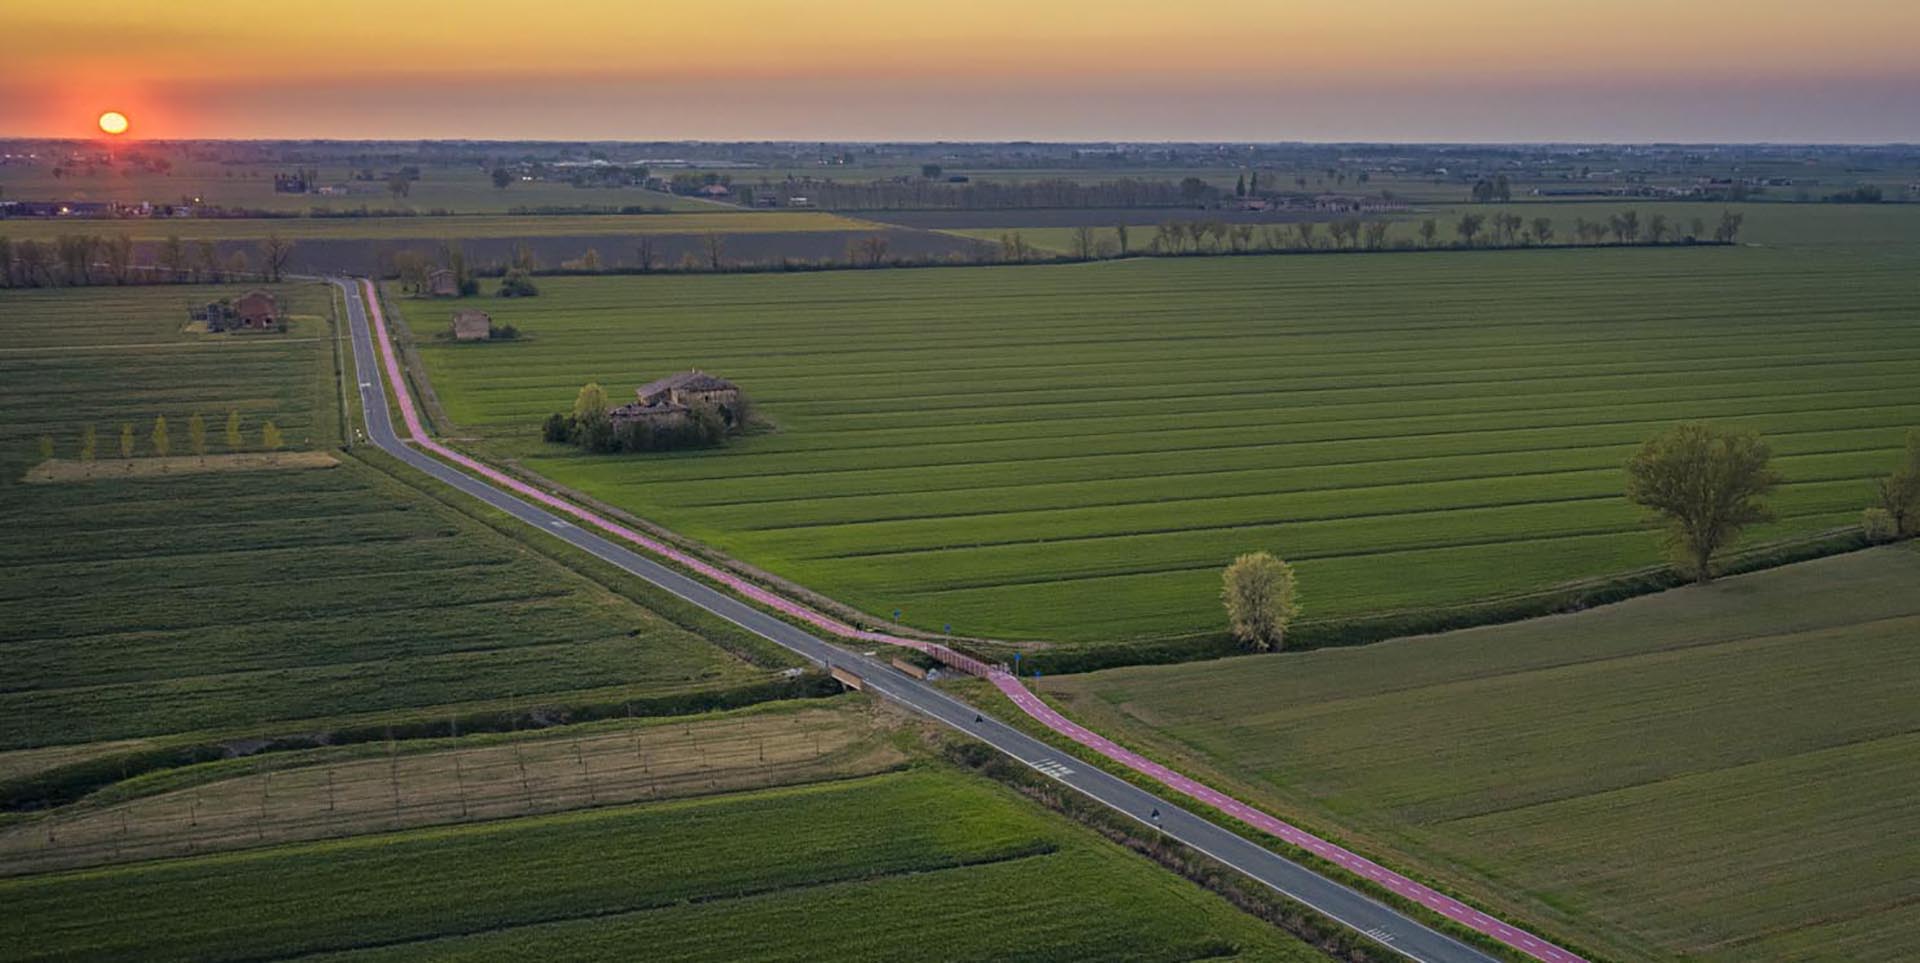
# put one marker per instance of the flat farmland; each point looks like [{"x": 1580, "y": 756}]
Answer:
[
  {"x": 463, "y": 190},
  {"x": 432, "y": 228},
  {"x": 1712, "y": 773},
  {"x": 616, "y": 251},
  {"x": 881, "y": 868},
  {"x": 366, "y": 788},
  {"x": 222, "y": 601},
  {"x": 1072, "y": 452}
]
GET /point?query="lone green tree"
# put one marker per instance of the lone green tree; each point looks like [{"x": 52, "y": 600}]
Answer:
[
  {"x": 591, "y": 425},
  {"x": 46, "y": 447},
  {"x": 1900, "y": 492},
  {"x": 590, "y": 402},
  {"x": 1705, "y": 484},
  {"x": 1258, "y": 591},
  {"x": 126, "y": 439},
  {"x": 270, "y": 437},
  {"x": 89, "y": 443},
  {"x": 234, "y": 439}
]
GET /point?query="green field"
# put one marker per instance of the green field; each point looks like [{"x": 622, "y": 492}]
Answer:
[
  {"x": 434, "y": 228},
  {"x": 1072, "y": 452},
  {"x": 1720, "y": 773},
  {"x": 234, "y": 602},
  {"x": 888, "y": 867}
]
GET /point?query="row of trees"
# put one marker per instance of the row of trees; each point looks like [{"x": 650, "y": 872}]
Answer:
[
  {"x": 78, "y": 260},
  {"x": 1503, "y": 229},
  {"x": 160, "y": 442},
  {"x": 589, "y": 426},
  {"x": 911, "y": 193},
  {"x": 1702, "y": 484},
  {"x": 1086, "y": 243}
]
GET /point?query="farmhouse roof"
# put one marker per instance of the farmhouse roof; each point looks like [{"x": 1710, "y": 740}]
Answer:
[
  {"x": 637, "y": 409},
  {"x": 695, "y": 380}
]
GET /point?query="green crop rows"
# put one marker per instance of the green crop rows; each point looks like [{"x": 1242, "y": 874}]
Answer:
[
  {"x": 1072, "y": 452},
  {"x": 1716, "y": 773},
  {"x": 236, "y": 602},
  {"x": 882, "y": 868}
]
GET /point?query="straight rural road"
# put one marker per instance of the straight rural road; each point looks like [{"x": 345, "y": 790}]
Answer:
[{"x": 376, "y": 367}]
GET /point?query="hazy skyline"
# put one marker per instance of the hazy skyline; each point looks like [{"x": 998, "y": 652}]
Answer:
[{"x": 1487, "y": 70}]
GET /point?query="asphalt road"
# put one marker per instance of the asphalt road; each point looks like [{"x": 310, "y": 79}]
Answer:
[{"x": 1365, "y": 915}]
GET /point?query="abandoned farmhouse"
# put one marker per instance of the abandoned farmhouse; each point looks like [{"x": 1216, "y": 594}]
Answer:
[
  {"x": 256, "y": 310},
  {"x": 668, "y": 401},
  {"x": 472, "y": 325}
]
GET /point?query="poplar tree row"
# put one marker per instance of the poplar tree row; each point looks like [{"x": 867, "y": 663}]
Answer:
[{"x": 159, "y": 440}]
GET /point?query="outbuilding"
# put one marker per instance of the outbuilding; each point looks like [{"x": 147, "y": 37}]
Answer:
[
  {"x": 472, "y": 325},
  {"x": 257, "y": 310},
  {"x": 441, "y": 283}
]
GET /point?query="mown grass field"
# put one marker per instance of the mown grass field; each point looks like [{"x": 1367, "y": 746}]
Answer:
[
  {"x": 1719, "y": 773},
  {"x": 434, "y": 228},
  {"x": 1073, "y": 452},
  {"x": 238, "y": 602},
  {"x": 889, "y": 867}
]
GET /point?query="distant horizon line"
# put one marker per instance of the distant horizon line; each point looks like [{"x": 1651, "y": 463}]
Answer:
[{"x": 911, "y": 142}]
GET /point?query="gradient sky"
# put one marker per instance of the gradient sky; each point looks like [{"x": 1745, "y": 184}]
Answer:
[{"x": 1535, "y": 70}]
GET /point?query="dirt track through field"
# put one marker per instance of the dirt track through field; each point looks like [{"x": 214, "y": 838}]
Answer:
[{"x": 511, "y": 777}]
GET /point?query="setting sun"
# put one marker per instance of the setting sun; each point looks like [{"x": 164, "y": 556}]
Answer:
[{"x": 113, "y": 122}]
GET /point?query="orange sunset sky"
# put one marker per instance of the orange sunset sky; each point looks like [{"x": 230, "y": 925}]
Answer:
[{"x": 1700, "y": 70}]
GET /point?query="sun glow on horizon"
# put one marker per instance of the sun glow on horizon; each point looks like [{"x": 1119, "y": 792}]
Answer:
[{"x": 1009, "y": 69}]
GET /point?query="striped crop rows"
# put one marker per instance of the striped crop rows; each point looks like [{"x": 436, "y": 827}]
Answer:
[{"x": 1073, "y": 452}]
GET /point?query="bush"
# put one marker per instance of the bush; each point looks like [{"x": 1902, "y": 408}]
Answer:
[
  {"x": 704, "y": 427},
  {"x": 1878, "y": 525},
  {"x": 517, "y": 284},
  {"x": 503, "y": 332}
]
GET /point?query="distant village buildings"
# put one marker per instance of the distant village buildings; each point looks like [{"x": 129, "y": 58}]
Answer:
[{"x": 668, "y": 401}]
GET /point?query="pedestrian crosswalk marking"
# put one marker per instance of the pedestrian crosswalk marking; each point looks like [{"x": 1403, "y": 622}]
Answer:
[{"x": 1053, "y": 767}]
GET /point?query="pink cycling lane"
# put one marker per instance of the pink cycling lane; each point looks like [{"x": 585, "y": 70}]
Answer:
[{"x": 1008, "y": 685}]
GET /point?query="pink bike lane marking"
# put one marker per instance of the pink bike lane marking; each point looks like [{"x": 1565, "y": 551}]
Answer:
[
  {"x": 1446, "y": 905},
  {"x": 1005, "y": 682}
]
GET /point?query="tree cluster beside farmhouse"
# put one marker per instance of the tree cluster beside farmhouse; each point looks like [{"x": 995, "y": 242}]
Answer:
[{"x": 691, "y": 409}]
